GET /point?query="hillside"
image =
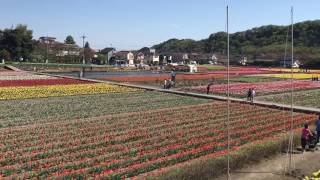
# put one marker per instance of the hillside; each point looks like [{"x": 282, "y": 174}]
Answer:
[{"x": 266, "y": 42}]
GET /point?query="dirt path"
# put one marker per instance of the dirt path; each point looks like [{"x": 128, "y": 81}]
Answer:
[{"x": 304, "y": 164}]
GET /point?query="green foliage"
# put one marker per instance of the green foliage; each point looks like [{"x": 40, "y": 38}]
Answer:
[
  {"x": 307, "y": 98},
  {"x": 87, "y": 45},
  {"x": 4, "y": 54},
  {"x": 175, "y": 45},
  {"x": 69, "y": 40},
  {"x": 16, "y": 42},
  {"x": 58, "y": 108},
  {"x": 266, "y": 42},
  {"x": 101, "y": 58}
]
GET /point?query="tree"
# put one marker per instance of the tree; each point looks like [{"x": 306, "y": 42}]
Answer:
[
  {"x": 265, "y": 42},
  {"x": 69, "y": 40},
  {"x": 89, "y": 53},
  {"x": 4, "y": 54},
  {"x": 18, "y": 42},
  {"x": 87, "y": 45}
]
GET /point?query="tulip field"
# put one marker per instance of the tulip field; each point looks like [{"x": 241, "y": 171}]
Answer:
[
  {"x": 262, "y": 88},
  {"x": 17, "y": 75},
  {"x": 60, "y": 90},
  {"x": 308, "y": 98},
  {"x": 22, "y": 85},
  {"x": 62, "y": 108},
  {"x": 294, "y": 76},
  {"x": 61, "y": 128},
  {"x": 132, "y": 144},
  {"x": 38, "y": 82},
  {"x": 162, "y": 78}
]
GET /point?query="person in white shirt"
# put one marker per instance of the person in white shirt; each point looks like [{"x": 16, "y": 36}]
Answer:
[{"x": 253, "y": 94}]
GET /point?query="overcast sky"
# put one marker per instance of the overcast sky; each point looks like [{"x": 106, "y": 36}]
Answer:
[{"x": 132, "y": 24}]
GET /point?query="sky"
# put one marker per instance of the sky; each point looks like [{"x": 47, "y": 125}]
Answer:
[{"x": 133, "y": 24}]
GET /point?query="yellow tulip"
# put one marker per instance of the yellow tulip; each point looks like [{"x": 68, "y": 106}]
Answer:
[{"x": 60, "y": 90}]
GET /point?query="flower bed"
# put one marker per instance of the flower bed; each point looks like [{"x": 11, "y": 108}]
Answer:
[
  {"x": 60, "y": 90},
  {"x": 35, "y": 111},
  {"x": 37, "y": 82},
  {"x": 13, "y": 73},
  {"x": 240, "y": 89},
  {"x": 288, "y": 70},
  {"x": 295, "y": 76},
  {"x": 309, "y": 98},
  {"x": 241, "y": 72},
  {"x": 128, "y": 145},
  {"x": 17, "y": 75},
  {"x": 162, "y": 78}
]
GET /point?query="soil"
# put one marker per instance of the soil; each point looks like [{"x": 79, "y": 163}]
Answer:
[{"x": 273, "y": 168}]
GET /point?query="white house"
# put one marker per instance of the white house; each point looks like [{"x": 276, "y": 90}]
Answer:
[
  {"x": 130, "y": 57},
  {"x": 155, "y": 59}
]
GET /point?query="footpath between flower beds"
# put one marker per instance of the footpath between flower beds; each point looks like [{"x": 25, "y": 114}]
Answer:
[{"x": 214, "y": 97}]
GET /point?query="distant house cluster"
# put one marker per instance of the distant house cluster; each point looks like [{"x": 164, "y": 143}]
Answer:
[
  {"x": 151, "y": 57},
  {"x": 58, "y": 48},
  {"x": 144, "y": 56}
]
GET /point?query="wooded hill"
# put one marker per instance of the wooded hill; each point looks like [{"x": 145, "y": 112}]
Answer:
[{"x": 265, "y": 42}]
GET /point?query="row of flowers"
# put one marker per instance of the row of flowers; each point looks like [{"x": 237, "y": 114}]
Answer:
[
  {"x": 308, "y": 98},
  {"x": 25, "y": 77},
  {"x": 13, "y": 73},
  {"x": 241, "y": 89},
  {"x": 7, "y": 93},
  {"x": 162, "y": 78},
  {"x": 241, "y": 72},
  {"x": 125, "y": 145},
  {"x": 294, "y": 76},
  {"x": 20, "y": 75},
  {"x": 38, "y": 82}
]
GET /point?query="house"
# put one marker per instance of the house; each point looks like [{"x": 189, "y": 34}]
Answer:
[
  {"x": 51, "y": 46},
  {"x": 47, "y": 40},
  {"x": 130, "y": 58},
  {"x": 171, "y": 57},
  {"x": 140, "y": 58},
  {"x": 109, "y": 53},
  {"x": 145, "y": 55},
  {"x": 288, "y": 63},
  {"x": 119, "y": 57}
]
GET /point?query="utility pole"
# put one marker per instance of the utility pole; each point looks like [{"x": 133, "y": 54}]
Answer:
[
  {"x": 47, "y": 41},
  {"x": 83, "y": 56},
  {"x": 291, "y": 124},
  {"x": 228, "y": 95}
]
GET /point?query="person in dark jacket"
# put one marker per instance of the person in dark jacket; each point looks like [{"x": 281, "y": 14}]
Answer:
[
  {"x": 249, "y": 94},
  {"x": 208, "y": 87}
]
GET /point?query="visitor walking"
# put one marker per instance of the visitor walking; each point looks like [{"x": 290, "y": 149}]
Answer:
[
  {"x": 249, "y": 94},
  {"x": 208, "y": 87},
  {"x": 173, "y": 76},
  {"x": 305, "y": 136},
  {"x": 253, "y": 94}
]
